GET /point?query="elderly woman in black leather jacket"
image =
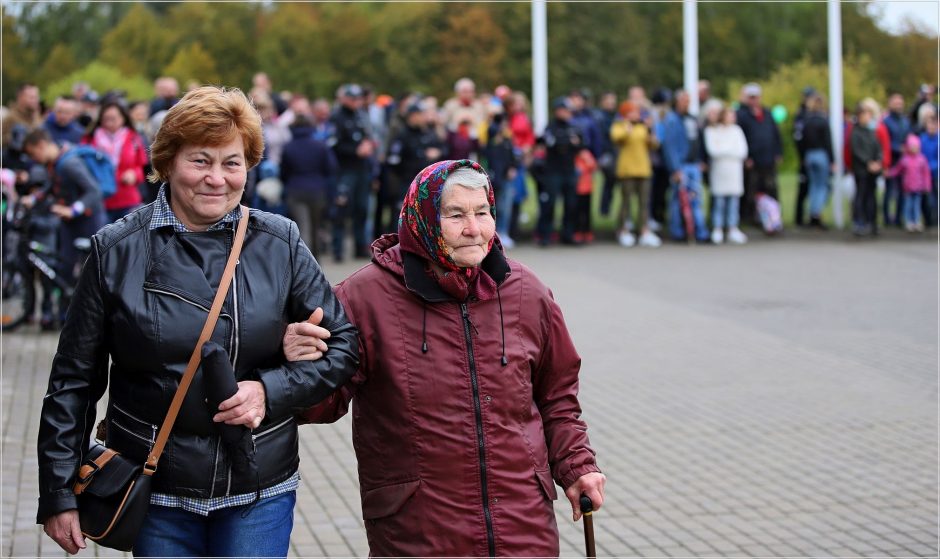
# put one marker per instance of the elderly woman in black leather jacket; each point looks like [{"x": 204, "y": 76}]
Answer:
[{"x": 141, "y": 301}]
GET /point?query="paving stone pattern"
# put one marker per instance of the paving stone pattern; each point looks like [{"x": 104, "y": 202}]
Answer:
[{"x": 776, "y": 399}]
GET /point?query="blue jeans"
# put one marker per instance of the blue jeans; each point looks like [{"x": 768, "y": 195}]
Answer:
[
  {"x": 725, "y": 211},
  {"x": 912, "y": 201},
  {"x": 693, "y": 185},
  {"x": 817, "y": 173},
  {"x": 263, "y": 532}
]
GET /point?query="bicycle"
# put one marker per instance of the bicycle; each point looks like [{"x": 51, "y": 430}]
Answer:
[{"x": 27, "y": 260}]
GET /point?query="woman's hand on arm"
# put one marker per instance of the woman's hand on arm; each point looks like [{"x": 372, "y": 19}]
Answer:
[
  {"x": 305, "y": 341},
  {"x": 246, "y": 407},
  {"x": 65, "y": 530}
]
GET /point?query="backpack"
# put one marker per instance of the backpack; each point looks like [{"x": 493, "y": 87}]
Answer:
[
  {"x": 98, "y": 164},
  {"x": 768, "y": 209}
]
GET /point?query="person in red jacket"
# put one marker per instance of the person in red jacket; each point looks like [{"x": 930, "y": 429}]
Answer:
[
  {"x": 466, "y": 399},
  {"x": 114, "y": 135}
]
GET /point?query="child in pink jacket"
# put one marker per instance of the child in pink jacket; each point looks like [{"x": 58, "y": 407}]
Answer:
[{"x": 914, "y": 171}]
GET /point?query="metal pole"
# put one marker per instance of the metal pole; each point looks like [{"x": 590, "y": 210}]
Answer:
[
  {"x": 835, "y": 106},
  {"x": 539, "y": 67},
  {"x": 690, "y": 52}
]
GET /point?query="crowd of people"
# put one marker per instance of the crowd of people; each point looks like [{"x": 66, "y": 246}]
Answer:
[{"x": 340, "y": 168}]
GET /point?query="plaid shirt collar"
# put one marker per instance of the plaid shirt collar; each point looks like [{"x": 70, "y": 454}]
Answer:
[{"x": 163, "y": 215}]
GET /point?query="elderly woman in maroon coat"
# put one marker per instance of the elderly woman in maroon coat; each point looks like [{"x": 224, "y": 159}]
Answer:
[{"x": 465, "y": 407}]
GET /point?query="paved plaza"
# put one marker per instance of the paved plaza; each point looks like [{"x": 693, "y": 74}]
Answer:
[{"x": 774, "y": 399}]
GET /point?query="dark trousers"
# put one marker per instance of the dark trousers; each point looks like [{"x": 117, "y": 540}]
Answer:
[
  {"x": 892, "y": 202},
  {"x": 658, "y": 194},
  {"x": 557, "y": 185},
  {"x": 583, "y": 213},
  {"x": 356, "y": 186},
  {"x": 864, "y": 206},
  {"x": 801, "y": 193},
  {"x": 69, "y": 256},
  {"x": 757, "y": 180}
]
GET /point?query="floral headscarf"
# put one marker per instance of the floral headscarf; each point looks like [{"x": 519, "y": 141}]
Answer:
[{"x": 419, "y": 226}]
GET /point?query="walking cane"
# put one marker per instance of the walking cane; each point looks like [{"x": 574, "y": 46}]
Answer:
[{"x": 587, "y": 508}]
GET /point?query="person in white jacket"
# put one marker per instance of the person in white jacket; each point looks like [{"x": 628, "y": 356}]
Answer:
[{"x": 727, "y": 149}]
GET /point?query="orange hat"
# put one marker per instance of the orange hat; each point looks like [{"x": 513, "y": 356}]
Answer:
[
  {"x": 626, "y": 108},
  {"x": 383, "y": 100}
]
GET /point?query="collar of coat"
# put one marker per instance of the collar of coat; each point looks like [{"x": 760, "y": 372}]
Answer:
[{"x": 423, "y": 285}]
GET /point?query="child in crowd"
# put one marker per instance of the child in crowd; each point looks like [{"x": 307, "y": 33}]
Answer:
[
  {"x": 914, "y": 171},
  {"x": 727, "y": 150},
  {"x": 585, "y": 165},
  {"x": 634, "y": 140}
]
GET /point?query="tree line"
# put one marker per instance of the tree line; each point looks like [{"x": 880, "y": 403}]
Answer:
[{"x": 427, "y": 46}]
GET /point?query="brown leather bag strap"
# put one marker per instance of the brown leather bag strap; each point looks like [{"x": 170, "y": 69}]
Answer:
[{"x": 151, "y": 466}]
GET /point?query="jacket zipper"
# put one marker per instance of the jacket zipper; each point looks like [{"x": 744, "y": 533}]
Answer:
[
  {"x": 478, "y": 413},
  {"x": 269, "y": 430},
  {"x": 235, "y": 344}
]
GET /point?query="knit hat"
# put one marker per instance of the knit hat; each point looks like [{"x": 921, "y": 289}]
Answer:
[
  {"x": 419, "y": 228},
  {"x": 912, "y": 143},
  {"x": 626, "y": 108}
]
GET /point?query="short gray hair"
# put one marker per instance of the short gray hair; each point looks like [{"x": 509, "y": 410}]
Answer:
[{"x": 466, "y": 177}]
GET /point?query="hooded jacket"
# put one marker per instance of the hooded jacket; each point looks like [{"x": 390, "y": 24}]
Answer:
[{"x": 465, "y": 413}]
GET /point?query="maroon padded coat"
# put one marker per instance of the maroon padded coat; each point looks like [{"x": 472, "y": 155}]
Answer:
[{"x": 458, "y": 452}]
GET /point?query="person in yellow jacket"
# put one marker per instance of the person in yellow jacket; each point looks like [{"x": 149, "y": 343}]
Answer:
[{"x": 634, "y": 140}]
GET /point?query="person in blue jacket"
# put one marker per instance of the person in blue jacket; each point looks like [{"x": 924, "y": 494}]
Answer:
[
  {"x": 930, "y": 147},
  {"x": 681, "y": 153}
]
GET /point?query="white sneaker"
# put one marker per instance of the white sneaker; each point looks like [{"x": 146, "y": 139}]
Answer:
[
  {"x": 626, "y": 239},
  {"x": 735, "y": 236},
  {"x": 507, "y": 241},
  {"x": 718, "y": 236},
  {"x": 649, "y": 239},
  {"x": 654, "y": 225}
]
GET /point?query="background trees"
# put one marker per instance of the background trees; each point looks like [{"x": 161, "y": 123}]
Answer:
[{"x": 313, "y": 48}]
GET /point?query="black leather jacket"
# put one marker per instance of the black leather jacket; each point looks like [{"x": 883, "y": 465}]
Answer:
[{"x": 142, "y": 300}]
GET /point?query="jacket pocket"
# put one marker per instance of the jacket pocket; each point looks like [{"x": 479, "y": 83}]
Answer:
[
  {"x": 388, "y": 499},
  {"x": 129, "y": 434},
  {"x": 545, "y": 481}
]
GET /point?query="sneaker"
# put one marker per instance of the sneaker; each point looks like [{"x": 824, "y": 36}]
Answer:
[
  {"x": 736, "y": 237},
  {"x": 654, "y": 225},
  {"x": 626, "y": 239},
  {"x": 718, "y": 236},
  {"x": 649, "y": 239},
  {"x": 507, "y": 241}
]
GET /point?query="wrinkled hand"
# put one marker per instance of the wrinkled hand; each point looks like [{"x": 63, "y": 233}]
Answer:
[
  {"x": 246, "y": 407},
  {"x": 592, "y": 485},
  {"x": 304, "y": 341},
  {"x": 64, "y": 529}
]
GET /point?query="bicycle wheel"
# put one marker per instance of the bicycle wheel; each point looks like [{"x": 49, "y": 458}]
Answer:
[{"x": 19, "y": 300}]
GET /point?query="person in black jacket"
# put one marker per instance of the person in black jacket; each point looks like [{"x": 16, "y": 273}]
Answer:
[
  {"x": 867, "y": 164},
  {"x": 802, "y": 180},
  {"x": 308, "y": 171},
  {"x": 355, "y": 150},
  {"x": 764, "y": 150},
  {"x": 141, "y": 303},
  {"x": 817, "y": 145},
  {"x": 413, "y": 147},
  {"x": 563, "y": 140}
]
